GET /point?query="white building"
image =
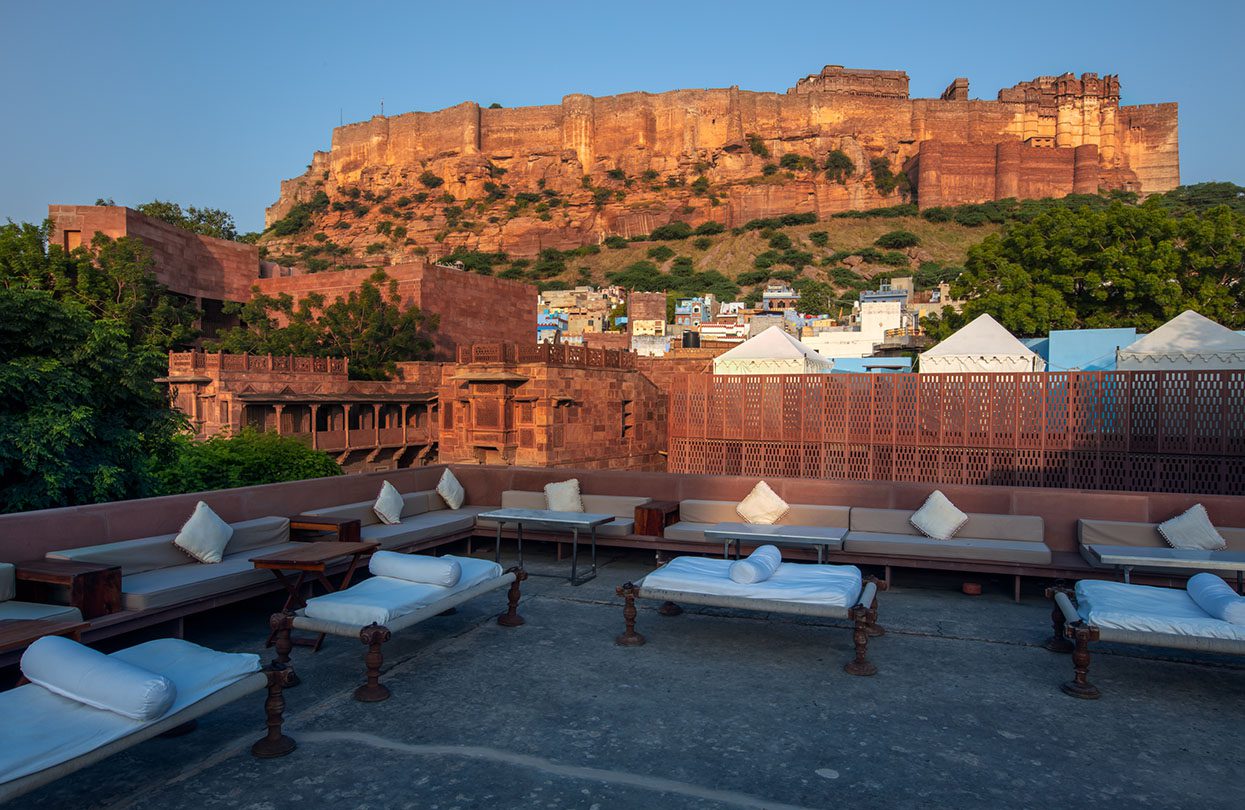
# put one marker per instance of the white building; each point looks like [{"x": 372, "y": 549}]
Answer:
[{"x": 873, "y": 319}]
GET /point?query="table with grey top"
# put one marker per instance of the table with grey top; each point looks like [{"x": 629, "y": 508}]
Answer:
[
  {"x": 824, "y": 538},
  {"x": 1130, "y": 557},
  {"x": 548, "y": 519}
]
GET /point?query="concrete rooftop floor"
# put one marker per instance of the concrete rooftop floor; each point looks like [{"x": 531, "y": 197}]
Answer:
[{"x": 720, "y": 709}]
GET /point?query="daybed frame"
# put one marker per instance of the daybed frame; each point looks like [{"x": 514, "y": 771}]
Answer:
[
  {"x": 375, "y": 635},
  {"x": 863, "y": 615},
  {"x": 273, "y": 744},
  {"x": 1073, "y": 634}
]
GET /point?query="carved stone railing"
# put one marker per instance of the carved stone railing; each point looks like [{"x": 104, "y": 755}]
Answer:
[
  {"x": 548, "y": 354},
  {"x": 219, "y": 361}
]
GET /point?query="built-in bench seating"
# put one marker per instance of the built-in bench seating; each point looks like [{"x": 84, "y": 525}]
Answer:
[
  {"x": 156, "y": 574},
  {"x": 622, "y": 507},
  {"x": 13, "y": 610},
  {"x": 697, "y": 515},
  {"x": 1144, "y": 535},
  {"x": 425, "y": 517},
  {"x": 1016, "y": 539}
]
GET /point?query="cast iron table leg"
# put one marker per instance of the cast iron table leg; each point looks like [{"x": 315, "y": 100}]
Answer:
[
  {"x": 497, "y": 553},
  {"x": 520, "y": 531}
]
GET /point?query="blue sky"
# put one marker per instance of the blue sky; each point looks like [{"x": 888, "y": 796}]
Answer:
[{"x": 213, "y": 104}]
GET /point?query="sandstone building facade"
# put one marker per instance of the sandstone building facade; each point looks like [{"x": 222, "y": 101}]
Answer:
[{"x": 624, "y": 165}]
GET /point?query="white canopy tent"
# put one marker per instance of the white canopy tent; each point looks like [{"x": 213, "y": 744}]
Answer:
[
  {"x": 772, "y": 352},
  {"x": 982, "y": 346},
  {"x": 1188, "y": 342}
]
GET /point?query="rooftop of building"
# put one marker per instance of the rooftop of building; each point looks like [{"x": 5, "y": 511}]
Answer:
[{"x": 721, "y": 709}]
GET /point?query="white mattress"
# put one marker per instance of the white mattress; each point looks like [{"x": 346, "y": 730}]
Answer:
[
  {"x": 837, "y": 585},
  {"x": 384, "y": 599},
  {"x": 42, "y": 729},
  {"x": 1144, "y": 609}
]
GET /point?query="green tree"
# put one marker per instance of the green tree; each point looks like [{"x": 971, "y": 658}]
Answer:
[
  {"x": 112, "y": 279},
  {"x": 206, "y": 221},
  {"x": 81, "y": 418},
  {"x": 816, "y": 298},
  {"x": 370, "y": 326},
  {"x": 839, "y": 166},
  {"x": 247, "y": 459},
  {"x": 897, "y": 240}
]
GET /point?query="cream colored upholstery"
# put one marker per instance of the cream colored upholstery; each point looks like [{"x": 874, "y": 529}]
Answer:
[
  {"x": 1015, "y": 539},
  {"x": 1127, "y": 533},
  {"x": 424, "y": 517},
  {"x": 697, "y": 515},
  {"x": 154, "y": 553},
  {"x": 622, "y": 507}
]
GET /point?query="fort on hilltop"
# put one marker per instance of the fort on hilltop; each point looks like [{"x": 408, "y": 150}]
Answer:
[{"x": 519, "y": 180}]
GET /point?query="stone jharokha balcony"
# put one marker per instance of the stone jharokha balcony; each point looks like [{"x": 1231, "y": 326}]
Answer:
[{"x": 722, "y": 707}]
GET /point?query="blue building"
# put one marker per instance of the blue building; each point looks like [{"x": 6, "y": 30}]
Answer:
[
  {"x": 549, "y": 324},
  {"x": 1081, "y": 349},
  {"x": 872, "y": 365}
]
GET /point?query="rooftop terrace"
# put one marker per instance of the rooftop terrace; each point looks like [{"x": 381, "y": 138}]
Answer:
[{"x": 720, "y": 710}]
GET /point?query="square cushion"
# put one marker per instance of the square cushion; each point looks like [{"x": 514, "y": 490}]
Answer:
[
  {"x": 450, "y": 490},
  {"x": 389, "y": 503},
  {"x": 762, "y": 506},
  {"x": 938, "y": 518},
  {"x": 205, "y": 535},
  {"x": 564, "y": 496},
  {"x": 1192, "y": 529}
]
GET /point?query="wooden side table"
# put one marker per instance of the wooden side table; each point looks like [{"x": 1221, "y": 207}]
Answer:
[
  {"x": 311, "y": 559},
  {"x": 18, "y": 634},
  {"x": 93, "y": 588},
  {"x": 652, "y": 518},
  {"x": 346, "y": 530}
]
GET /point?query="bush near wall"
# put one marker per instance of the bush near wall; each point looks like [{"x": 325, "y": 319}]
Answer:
[{"x": 244, "y": 460}]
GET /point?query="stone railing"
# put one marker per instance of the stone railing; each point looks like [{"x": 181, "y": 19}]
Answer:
[
  {"x": 547, "y": 353},
  {"x": 189, "y": 362}
]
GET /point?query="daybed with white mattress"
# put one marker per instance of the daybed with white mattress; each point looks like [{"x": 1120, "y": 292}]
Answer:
[
  {"x": 802, "y": 589},
  {"x": 375, "y": 608},
  {"x": 1133, "y": 614},
  {"x": 149, "y": 689}
]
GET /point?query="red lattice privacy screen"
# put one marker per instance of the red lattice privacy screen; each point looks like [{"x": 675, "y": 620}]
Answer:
[{"x": 1167, "y": 431}]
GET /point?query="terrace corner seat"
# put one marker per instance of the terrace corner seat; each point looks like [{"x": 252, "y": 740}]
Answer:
[
  {"x": 697, "y": 515},
  {"x": 13, "y": 610},
  {"x": 1143, "y": 535},
  {"x": 424, "y": 517},
  {"x": 375, "y": 608},
  {"x": 48, "y": 736},
  {"x": 800, "y": 589},
  {"x": 622, "y": 507},
  {"x": 1132, "y": 614},
  {"x": 157, "y": 574}
]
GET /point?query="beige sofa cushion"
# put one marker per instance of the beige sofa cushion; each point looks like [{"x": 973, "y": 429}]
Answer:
[
  {"x": 1024, "y": 528},
  {"x": 698, "y": 511},
  {"x": 154, "y": 553},
  {"x": 810, "y": 514},
  {"x": 687, "y": 531},
  {"x": 192, "y": 581},
  {"x": 522, "y": 499},
  {"x": 8, "y": 582},
  {"x": 421, "y": 527},
  {"x": 1127, "y": 533},
  {"x": 956, "y": 548}
]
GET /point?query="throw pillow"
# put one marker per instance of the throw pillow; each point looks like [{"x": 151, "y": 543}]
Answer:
[
  {"x": 205, "y": 535},
  {"x": 938, "y": 518},
  {"x": 564, "y": 496},
  {"x": 762, "y": 506},
  {"x": 450, "y": 490},
  {"x": 1192, "y": 529},
  {"x": 388, "y": 506}
]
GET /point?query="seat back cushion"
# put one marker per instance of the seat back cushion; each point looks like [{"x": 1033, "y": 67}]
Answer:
[
  {"x": 522, "y": 499},
  {"x": 1127, "y": 533},
  {"x": 698, "y": 511},
  {"x": 261, "y": 532},
  {"x": 1028, "y": 528},
  {"x": 361, "y": 511},
  {"x": 416, "y": 503},
  {"x": 809, "y": 514},
  {"x": 8, "y": 582},
  {"x": 134, "y": 556},
  {"x": 622, "y": 506}
]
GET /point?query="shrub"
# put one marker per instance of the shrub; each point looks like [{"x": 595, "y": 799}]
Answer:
[
  {"x": 615, "y": 242},
  {"x": 819, "y": 238},
  {"x": 430, "y": 180},
  {"x": 839, "y": 166},
  {"x": 937, "y": 214},
  {"x": 299, "y": 217},
  {"x": 897, "y": 240},
  {"x": 769, "y": 169},
  {"x": 798, "y": 219},
  {"x": 649, "y": 176},
  {"x": 700, "y": 185},
  {"x": 971, "y": 217},
  {"x": 673, "y": 230},
  {"x": 384, "y": 226},
  {"x": 702, "y": 242},
  {"x": 750, "y": 277},
  {"x": 374, "y": 248},
  {"x": 794, "y": 162},
  {"x": 420, "y": 196},
  {"x": 402, "y": 202},
  {"x": 399, "y": 232},
  {"x": 616, "y": 174},
  {"x": 244, "y": 460},
  {"x": 660, "y": 253},
  {"x": 709, "y": 228},
  {"x": 893, "y": 258},
  {"x": 884, "y": 180},
  {"x": 757, "y": 146},
  {"x": 780, "y": 241}
]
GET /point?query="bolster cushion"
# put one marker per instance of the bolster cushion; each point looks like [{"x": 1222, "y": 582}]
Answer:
[
  {"x": 88, "y": 676},
  {"x": 443, "y": 571},
  {"x": 758, "y": 566},
  {"x": 1214, "y": 596}
]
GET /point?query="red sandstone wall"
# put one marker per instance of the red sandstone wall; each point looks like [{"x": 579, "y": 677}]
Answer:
[{"x": 185, "y": 262}]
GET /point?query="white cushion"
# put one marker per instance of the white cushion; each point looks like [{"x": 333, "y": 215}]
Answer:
[
  {"x": 837, "y": 585},
  {"x": 388, "y": 506},
  {"x": 1214, "y": 596},
  {"x": 938, "y": 518},
  {"x": 564, "y": 496},
  {"x": 79, "y": 673},
  {"x": 762, "y": 506},
  {"x": 205, "y": 535},
  {"x": 1192, "y": 529},
  {"x": 1145, "y": 609},
  {"x": 443, "y": 571},
  {"x": 384, "y": 599},
  {"x": 450, "y": 490},
  {"x": 758, "y": 566}
]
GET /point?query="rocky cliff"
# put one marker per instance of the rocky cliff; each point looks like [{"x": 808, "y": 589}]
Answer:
[{"x": 519, "y": 180}]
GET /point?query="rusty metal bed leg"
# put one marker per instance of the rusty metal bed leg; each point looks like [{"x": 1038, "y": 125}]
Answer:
[
  {"x": 373, "y": 691},
  {"x": 860, "y": 665},
  {"x": 1079, "y": 686},
  {"x": 629, "y": 637}
]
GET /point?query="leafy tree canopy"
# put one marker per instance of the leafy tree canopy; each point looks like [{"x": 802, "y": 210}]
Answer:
[
  {"x": 248, "y": 459},
  {"x": 816, "y": 298},
  {"x": 205, "y": 221},
  {"x": 370, "y": 326},
  {"x": 1118, "y": 266}
]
